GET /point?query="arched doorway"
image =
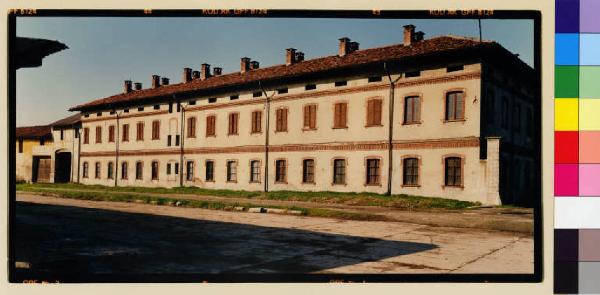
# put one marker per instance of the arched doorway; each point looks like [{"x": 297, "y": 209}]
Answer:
[{"x": 62, "y": 167}]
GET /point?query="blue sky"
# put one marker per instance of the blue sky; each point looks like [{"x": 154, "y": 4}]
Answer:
[{"x": 105, "y": 51}]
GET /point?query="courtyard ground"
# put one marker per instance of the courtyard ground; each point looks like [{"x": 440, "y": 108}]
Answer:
[{"x": 70, "y": 236}]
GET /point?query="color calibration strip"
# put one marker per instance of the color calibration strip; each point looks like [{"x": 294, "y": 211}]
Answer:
[{"x": 577, "y": 147}]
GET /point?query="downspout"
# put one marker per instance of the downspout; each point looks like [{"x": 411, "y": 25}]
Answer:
[
  {"x": 72, "y": 154},
  {"x": 116, "y": 174},
  {"x": 182, "y": 140},
  {"x": 390, "y": 127},
  {"x": 267, "y": 117},
  {"x": 79, "y": 152}
]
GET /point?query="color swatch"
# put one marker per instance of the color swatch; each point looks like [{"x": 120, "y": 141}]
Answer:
[{"x": 577, "y": 147}]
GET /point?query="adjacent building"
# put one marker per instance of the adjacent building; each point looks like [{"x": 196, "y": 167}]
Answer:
[{"x": 448, "y": 116}]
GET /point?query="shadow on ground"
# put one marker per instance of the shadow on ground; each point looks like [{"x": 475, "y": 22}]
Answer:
[{"x": 66, "y": 241}]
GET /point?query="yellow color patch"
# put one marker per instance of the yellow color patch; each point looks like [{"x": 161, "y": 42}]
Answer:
[
  {"x": 589, "y": 114},
  {"x": 566, "y": 114}
]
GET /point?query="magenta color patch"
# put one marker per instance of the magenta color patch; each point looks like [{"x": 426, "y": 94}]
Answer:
[
  {"x": 589, "y": 180},
  {"x": 566, "y": 181}
]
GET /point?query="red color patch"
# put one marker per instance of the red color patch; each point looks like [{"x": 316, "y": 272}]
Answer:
[{"x": 566, "y": 147}]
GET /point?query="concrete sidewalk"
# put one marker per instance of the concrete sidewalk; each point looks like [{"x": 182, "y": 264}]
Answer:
[{"x": 503, "y": 219}]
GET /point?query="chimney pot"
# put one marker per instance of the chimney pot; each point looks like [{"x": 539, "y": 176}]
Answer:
[
  {"x": 299, "y": 56},
  {"x": 353, "y": 46},
  {"x": 217, "y": 71},
  {"x": 204, "y": 71},
  {"x": 343, "y": 47},
  {"x": 244, "y": 64},
  {"x": 138, "y": 86},
  {"x": 155, "y": 81},
  {"x": 196, "y": 75},
  {"x": 419, "y": 36},
  {"x": 409, "y": 34},
  {"x": 127, "y": 86},
  {"x": 164, "y": 81},
  {"x": 187, "y": 75},
  {"x": 254, "y": 65},
  {"x": 290, "y": 56}
]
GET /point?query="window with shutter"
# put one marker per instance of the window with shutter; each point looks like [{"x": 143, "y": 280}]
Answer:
[
  {"x": 98, "y": 134},
  {"x": 154, "y": 170},
  {"x": 455, "y": 105},
  {"x": 86, "y": 135},
  {"x": 124, "y": 170},
  {"x": 125, "y": 132},
  {"x": 111, "y": 133},
  {"x": 210, "y": 171},
  {"x": 281, "y": 120},
  {"x": 256, "y": 121},
  {"x": 310, "y": 117},
  {"x": 155, "y": 130},
  {"x": 138, "y": 170},
  {"x": 340, "y": 115},
  {"x": 233, "y": 123},
  {"x": 412, "y": 109},
  {"x": 210, "y": 125},
  {"x": 374, "y": 112},
  {"x": 140, "y": 131},
  {"x": 191, "y": 127}
]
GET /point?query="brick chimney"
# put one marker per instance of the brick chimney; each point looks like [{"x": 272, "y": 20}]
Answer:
[
  {"x": 244, "y": 64},
  {"x": 196, "y": 75},
  {"x": 343, "y": 50},
  {"x": 290, "y": 56},
  {"x": 138, "y": 86},
  {"x": 409, "y": 35},
  {"x": 204, "y": 71},
  {"x": 155, "y": 81},
  {"x": 187, "y": 75},
  {"x": 127, "y": 86},
  {"x": 164, "y": 81},
  {"x": 254, "y": 65},
  {"x": 217, "y": 71},
  {"x": 299, "y": 56}
]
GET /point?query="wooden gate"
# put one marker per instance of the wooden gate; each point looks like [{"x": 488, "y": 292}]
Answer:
[{"x": 41, "y": 169}]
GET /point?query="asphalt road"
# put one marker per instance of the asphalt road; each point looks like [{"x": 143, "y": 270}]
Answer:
[{"x": 66, "y": 237}]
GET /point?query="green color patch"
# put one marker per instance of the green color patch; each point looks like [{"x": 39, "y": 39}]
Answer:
[
  {"x": 566, "y": 82},
  {"x": 589, "y": 84}
]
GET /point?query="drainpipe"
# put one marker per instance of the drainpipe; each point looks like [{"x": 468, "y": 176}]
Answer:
[
  {"x": 116, "y": 174},
  {"x": 267, "y": 117},
  {"x": 182, "y": 139},
  {"x": 79, "y": 152},
  {"x": 391, "y": 127},
  {"x": 72, "y": 154}
]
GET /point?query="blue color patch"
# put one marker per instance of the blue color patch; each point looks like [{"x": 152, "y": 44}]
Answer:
[
  {"x": 567, "y": 49},
  {"x": 590, "y": 49}
]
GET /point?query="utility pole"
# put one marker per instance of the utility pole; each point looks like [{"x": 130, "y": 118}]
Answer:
[
  {"x": 390, "y": 127},
  {"x": 182, "y": 137},
  {"x": 116, "y": 174},
  {"x": 267, "y": 119}
]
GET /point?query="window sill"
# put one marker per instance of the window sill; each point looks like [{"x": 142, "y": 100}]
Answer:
[
  {"x": 344, "y": 127},
  {"x": 376, "y": 125},
  {"x": 156, "y": 139},
  {"x": 309, "y": 129},
  {"x": 255, "y": 132},
  {"x": 254, "y": 182},
  {"x": 411, "y": 185},
  {"x": 281, "y": 131},
  {"x": 231, "y": 181},
  {"x": 453, "y": 186},
  {"x": 457, "y": 120},
  {"x": 232, "y": 134},
  {"x": 372, "y": 184},
  {"x": 213, "y": 181},
  {"x": 412, "y": 123},
  {"x": 211, "y": 135},
  {"x": 340, "y": 184},
  {"x": 309, "y": 183},
  {"x": 190, "y": 137},
  {"x": 281, "y": 182}
]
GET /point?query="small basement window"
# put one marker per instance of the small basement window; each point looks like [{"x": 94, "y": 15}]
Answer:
[
  {"x": 257, "y": 94},
  {"x": 126, "y": 110},
  {"x": 192, "y": 102},
  {"x": 99, "y": 114},
  {"x": 282, "y": 90},
  {"x": 341, "y": 83},
  {"x": 112, "y": 112},
  {"x": 212, "y": 100},
  {"x": 86, "y": 115},
  {"x": 157, "y": 107},
  {"x": 140, "y": 109},
  {"x": 412, "y": 74},
  {"x": 374, "y": 79},
  {"x": 455, "y": 68},
  {"x": 310, "y": 87},
  {"x": 234, "y": 97}
]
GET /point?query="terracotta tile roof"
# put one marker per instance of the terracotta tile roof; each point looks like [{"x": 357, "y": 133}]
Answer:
[
  {"x": 68, "y": 121},
  {"x": 365, "y": 56},
  {"x": 34, "y": 132}
]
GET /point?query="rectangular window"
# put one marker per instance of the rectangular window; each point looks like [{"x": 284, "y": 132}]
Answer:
[
  {"x": 210, "y": 125},
  {"x": 20, "y": 145},
  {"x": 308, "y": 171},
  {"x": 99, "y": 114},
  {"x": 97, "y": 171},
  {"x": 86, "y": 135},
  {"x": 234, "y": 97},
  {"x": 212, "y": 100},
  {"x": 191, "y": 127},
  {"x": 155, "y": 130},
  {"x": 154, "y": 170},
  {"x": 86, "y": 168},
  {"x": 233, "y": 124},
  {"x": 254, "y": 171},
  {"x": 412, "y": 109},
  {"x": 310, "y": 116},
  {"x": 374, "y": 79},
  {"x": 177, "y": 140},
  {"x": 170, "y": 107},
  {"x": 310, "y": 87},
  {"x": 178, "y": 106},
  {"x": 257, "y": 94},
  {"x": 374, "y": 112},
  {"x": 140, "y": 131},
  {"x": 169, "y": 140},
  {"x": 192, "y": 102},
  {"x": 124, "y": 170},
  {"x": 157, "y": 107},
  {"x": 176, "y": 169},
  {"x": 453, "y": 171},
  {"x": 138, "y": 170},
  {"x": 373, "y": 172},
  {"x": 410, "y": 174},
  {"x": 125, "y": 136},
  {"x": 341, "y": 83},
  {"x": 126, "y": 110},
  {"x": 455, "y": 106},
  {"x": 281, "y": 120},
  {"x": 110, "y": 170},
  {"x": 62, "y": 135},
  {"x": 412, "y": 74},
  {"x": 76, "y": 132},
  {"x": 340, "y": 117},
  {"x": 98, "y": 134},
  {"x": 339, "y": 171},
  {"x": 210, "y": 171},
  {"x": 282, "y": 90},
  {"x": 168, "y": 168},
  {"x": 111, "y": 133},
  {"x": 42, "y": 141},
  {"x": 140, "y": 109},
  {"x": 256, "y": 121},
  {"x": 189, "y": 170},
  {"x": 280, "y": 171},
  {"x": 232, "y": 171}
]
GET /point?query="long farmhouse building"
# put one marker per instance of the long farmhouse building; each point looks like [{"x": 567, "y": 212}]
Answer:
[{"x": 448, "y": 116}]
